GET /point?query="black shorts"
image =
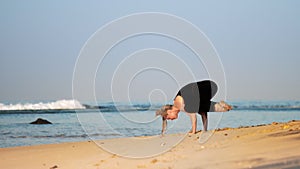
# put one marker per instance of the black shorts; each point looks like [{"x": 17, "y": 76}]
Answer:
[{"x": 197, "y": 96}]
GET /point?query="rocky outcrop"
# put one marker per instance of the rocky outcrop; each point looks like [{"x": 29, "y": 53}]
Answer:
[{"x": 41, "y": 121}]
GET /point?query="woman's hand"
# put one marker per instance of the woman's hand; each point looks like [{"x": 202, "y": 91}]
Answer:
[{"x": 192, "y": 132}]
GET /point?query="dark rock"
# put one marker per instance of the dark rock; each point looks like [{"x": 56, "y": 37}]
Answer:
[{"x": 41, "y": 121}]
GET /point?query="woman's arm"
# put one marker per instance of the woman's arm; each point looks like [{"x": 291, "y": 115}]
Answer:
[
  {"x": 193, "y": 117},
  {"x": 164, "y": 126}
]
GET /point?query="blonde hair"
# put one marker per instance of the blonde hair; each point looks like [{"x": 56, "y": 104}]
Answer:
[{"x": 163, "y": 111}]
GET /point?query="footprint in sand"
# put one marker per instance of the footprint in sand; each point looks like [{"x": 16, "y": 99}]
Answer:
[
  {"x": 154, "y": 161},
  {"x": 54, "y": 167},
  {"x": 141, "y": 166}
]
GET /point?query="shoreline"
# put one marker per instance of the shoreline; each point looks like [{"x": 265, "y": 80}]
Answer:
[{"x": 263, "y": 146}]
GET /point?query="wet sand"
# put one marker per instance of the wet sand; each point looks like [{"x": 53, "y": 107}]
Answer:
[{"x": 266, "y": 146}]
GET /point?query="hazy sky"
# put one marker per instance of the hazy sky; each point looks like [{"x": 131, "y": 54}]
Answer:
[{"x": 257, "y": 42}]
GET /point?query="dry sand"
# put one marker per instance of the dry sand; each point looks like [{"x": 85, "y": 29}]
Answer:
[{"x": 271, "y": 146}]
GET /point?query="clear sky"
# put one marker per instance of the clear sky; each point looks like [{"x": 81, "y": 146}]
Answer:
[{"x": 257, "y": 42}]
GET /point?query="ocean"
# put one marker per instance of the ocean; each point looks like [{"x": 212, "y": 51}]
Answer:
[{"x": 73, "y": 121}]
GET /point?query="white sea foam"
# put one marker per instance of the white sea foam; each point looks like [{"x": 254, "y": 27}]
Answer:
[{"x": 60, "y": 104}]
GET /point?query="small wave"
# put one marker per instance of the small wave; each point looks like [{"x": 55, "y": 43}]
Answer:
[
  {"x": 115, "y": 107},
  {"x": 273, "y": 108},
  {"x": 57, "y": 105},
  {"x": 283, "y": 106}
]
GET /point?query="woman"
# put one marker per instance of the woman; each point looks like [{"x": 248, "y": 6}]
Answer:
[{"x": 193, "y": 98}]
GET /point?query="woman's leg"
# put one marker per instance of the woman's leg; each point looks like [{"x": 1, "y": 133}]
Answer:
[
  {"x": 207, "y": 90},
  {"x": 204, "y": 120}
]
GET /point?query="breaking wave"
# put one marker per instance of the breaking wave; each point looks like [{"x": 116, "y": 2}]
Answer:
[{"x": 56, "y": 105}]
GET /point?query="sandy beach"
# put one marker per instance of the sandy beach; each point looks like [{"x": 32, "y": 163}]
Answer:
[{"x": 266, "y": 146}]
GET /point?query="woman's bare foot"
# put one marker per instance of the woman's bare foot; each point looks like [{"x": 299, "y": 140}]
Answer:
[
  {"x": 222, "y": 107},
  {"x": 225, "y": 105}
]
